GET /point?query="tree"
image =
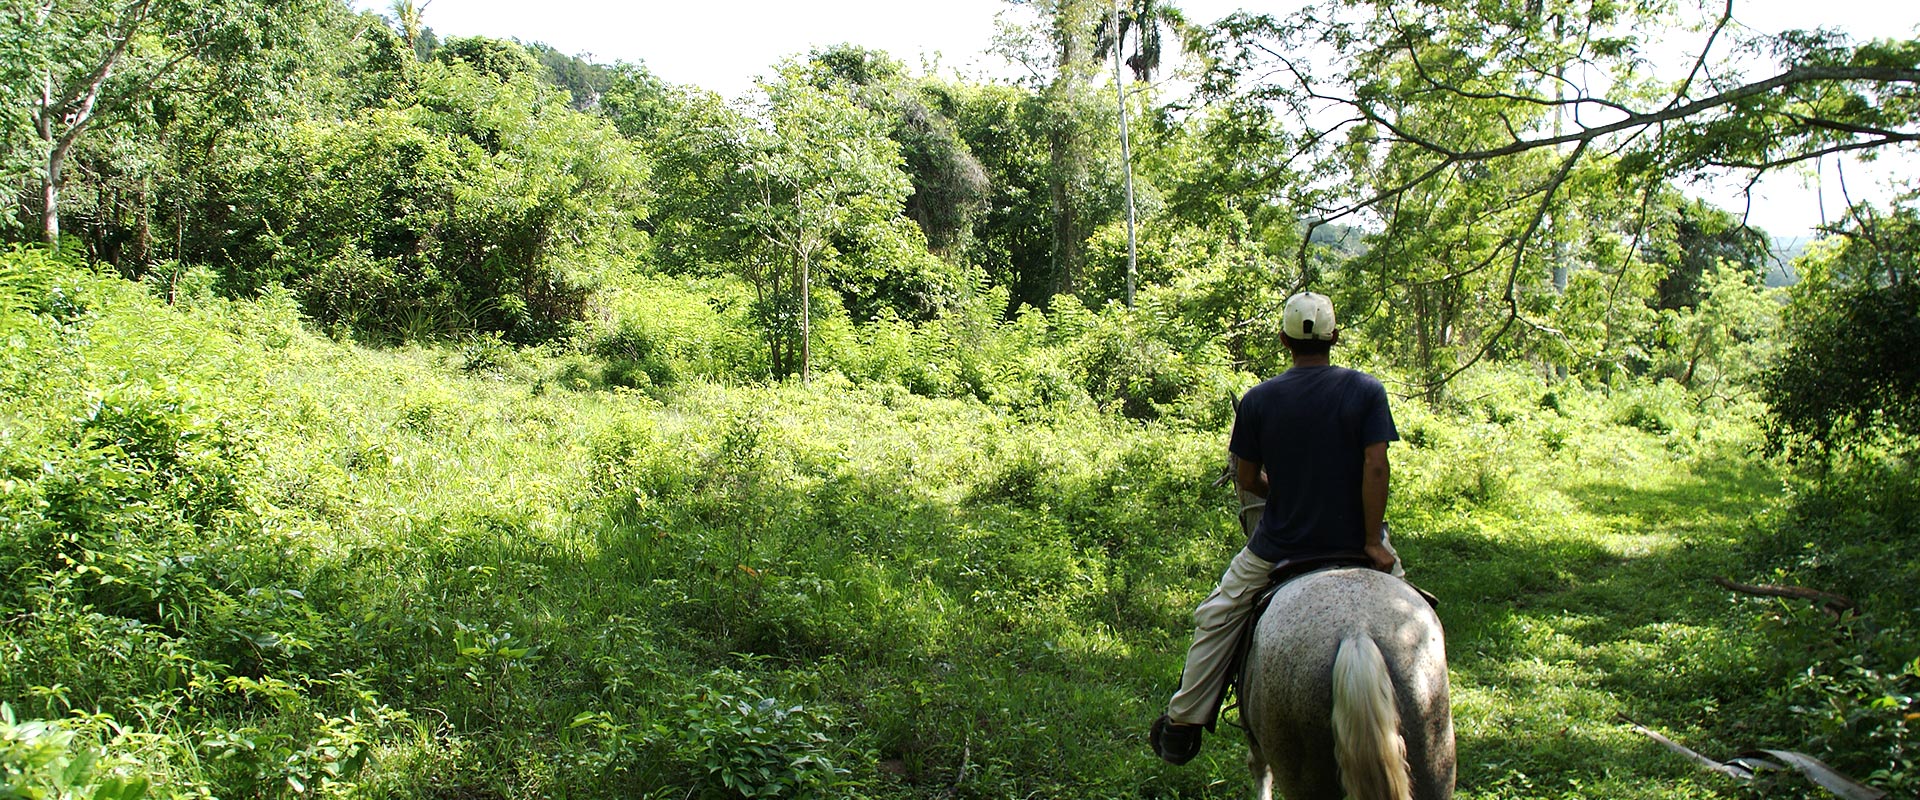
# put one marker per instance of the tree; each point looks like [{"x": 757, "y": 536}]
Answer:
[
  {"x": 95, "y": 61},
  {"x": 1445, "y": 90},
  {"x": 821, "y": 167},
  {"x": 949, "y": 183},
  {"x": 1850, "y": 372},
  {"x": 413, "y": 29},
  {"x": 502, "y": 59},
  {"x": 1057, "y": 53},
  {"x": 585, "y": 81},
  {"x": 1005, "y": 127},
  {"x": 1149, "y": 17},
  {"x": 463, "y": 204},
  {"x": 697, "y": 146},
  {"x": 1702, "y": 238},
  {"x": 1726, "y": 334}
]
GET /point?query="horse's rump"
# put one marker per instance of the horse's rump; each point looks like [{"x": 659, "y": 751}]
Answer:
[{"x": 1288, "y": 694}]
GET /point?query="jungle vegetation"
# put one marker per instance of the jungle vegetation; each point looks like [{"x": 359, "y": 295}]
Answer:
[{"x": 390, "y": 415}]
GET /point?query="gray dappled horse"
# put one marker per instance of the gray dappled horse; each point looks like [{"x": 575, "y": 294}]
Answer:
[
  {"x": 1345, "y": 692},
  {"x": 1344, "y": 687}
]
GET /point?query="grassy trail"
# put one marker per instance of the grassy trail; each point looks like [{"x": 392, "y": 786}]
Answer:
[{"x": 1589, "y": 603}]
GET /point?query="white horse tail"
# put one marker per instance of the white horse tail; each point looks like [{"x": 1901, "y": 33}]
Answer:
[{"x": 1366, "y": 725}]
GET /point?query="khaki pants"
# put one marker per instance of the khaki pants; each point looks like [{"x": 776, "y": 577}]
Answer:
[{"x": 1217, "y": 626}]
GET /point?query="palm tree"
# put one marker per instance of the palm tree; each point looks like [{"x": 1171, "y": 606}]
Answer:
[
  {"x": 1148, "y": 18},
  {"x": 411, "y": 27}
]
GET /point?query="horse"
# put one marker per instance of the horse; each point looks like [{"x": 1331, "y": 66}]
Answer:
[{"x": 1344, "y": 692}]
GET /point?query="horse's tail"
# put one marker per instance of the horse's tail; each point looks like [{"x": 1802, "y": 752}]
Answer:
[{"x": 1366, "y": 725}]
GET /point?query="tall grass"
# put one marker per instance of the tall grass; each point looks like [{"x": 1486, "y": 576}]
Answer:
[{"x": 247, "y": 561}]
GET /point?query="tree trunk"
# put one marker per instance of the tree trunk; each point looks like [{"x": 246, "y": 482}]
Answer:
[
  {"x": 53, "y": 109},
  {"x": 50, "y": 191},
  {"x": 143, "y": 227},
  {"x": 806, "y": 318},
  {"x": 775, "y": 364},
  {"x": 1422, "y": 320},
  {"x": 1062, "y": 162},
  {"x": 1060, "y": 165},
  {"x": 50, "y": 204},
  {"x": 1126, "y": 148}
]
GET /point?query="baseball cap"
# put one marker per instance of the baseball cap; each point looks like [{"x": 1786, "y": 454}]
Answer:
[{"x": 1308, "y": 316}]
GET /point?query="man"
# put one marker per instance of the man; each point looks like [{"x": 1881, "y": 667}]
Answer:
[{"x": 1313, "y": 443}]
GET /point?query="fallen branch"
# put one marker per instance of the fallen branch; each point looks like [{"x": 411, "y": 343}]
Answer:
[
  {"x": 1835, "y": 605},
  {"x": 1752, "y": 763}
]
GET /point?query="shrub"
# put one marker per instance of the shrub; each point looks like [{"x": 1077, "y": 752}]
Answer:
[
  {"x": 35, "y": 281},
  {"x": 736, "y": 741},
  {"x": 1655, "y": 408},
  {"x": 1850, "y": 373},
  {"x": 657, "y": 331},
  {"x": 470, "y": 207},
  {"x": 40, "y": 758}
]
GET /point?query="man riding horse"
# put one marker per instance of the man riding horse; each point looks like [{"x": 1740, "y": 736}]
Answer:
[{"x": 1311, "y": 442}]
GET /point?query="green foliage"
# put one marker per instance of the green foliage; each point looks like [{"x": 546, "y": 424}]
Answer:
[
  {"x": 696, "y": 145},
  {"x": 468, "y": 210},
  {"x": 503, "y": 60},
  {"x": 631, "y": 562},
  {"x": 1003, "y": 128},
  {"x": 102, "y": 65},
  {"x": 657, "y": 331},
  {"x": 41, "y": 759},
  {"x": 823, "y": 191},
  {"x": 741, "y": 743},
  {"x": 36, "y": 285},
  {"x": 1721, "y": 343},
  {"x": 299, "y": 568},
  {"x": 585, "y": 81},
  {"x": 949, "y": 183},
  {"x": 1849, "y": 372},
  {"x": 1850, "y": 530},
  {"x": 1705, "y": 239}
]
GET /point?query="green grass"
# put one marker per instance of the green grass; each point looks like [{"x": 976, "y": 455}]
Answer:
[{"x": 289, "y": 567}]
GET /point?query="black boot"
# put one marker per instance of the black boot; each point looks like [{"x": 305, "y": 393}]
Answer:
[{"x": 1174, "y": 742}]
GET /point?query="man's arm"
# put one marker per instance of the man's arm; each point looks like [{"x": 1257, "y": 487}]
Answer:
[
  {"x": 1374, "y": 474},
  {"x": 1249, "y": 477}
]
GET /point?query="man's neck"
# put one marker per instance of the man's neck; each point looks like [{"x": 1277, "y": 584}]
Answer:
[{"x": 1312, "y": 361}]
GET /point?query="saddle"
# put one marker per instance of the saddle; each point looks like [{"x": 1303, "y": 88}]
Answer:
[{"x": 1282, "y": 573}]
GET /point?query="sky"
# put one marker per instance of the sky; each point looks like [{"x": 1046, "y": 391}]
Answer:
[{"x": 722, "y": 45}]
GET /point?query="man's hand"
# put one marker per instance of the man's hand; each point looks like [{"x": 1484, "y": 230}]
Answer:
[{"x": 1381, "y": 557}]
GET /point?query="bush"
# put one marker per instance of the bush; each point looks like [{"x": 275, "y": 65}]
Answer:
[
  {"x": 1852, "y": 686},
  {"x": 735, "y": 741},
  {"x": 1850, "y": 373},
  {"x": 1655, "y": 408},
  {"x": 657, "y": 331},
  {"x": 40, "y": 758},
  {"x": 470, "y": 207}
]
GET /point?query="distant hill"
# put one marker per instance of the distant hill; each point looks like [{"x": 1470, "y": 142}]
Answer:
[
  {"x": 1346, "y": 239},
  {"x": 1780, "y": 261}
]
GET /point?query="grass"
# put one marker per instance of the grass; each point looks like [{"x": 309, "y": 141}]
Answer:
[{"x": 290, "y": 567}]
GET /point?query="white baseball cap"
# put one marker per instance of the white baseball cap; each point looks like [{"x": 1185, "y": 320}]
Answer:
[{"x": 1308, "y": 316}]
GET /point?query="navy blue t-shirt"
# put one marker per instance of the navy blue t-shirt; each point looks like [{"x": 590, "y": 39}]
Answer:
[{"x": 1309, "y": 427}]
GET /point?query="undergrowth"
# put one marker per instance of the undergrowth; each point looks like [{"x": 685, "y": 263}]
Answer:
[{"x": 247, "y": 561}]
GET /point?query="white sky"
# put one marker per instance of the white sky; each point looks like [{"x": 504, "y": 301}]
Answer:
[{"x": 722, "y": 45}]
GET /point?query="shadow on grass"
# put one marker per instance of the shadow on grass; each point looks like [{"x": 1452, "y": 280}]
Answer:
[
  {"x": 1711, "y": 498},
  {"x": 1554, "y": 632}
]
